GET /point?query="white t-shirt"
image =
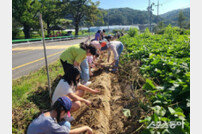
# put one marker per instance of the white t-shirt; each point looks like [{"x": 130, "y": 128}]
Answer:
[
  {"x": 63, "y": 88},
  {"x": 112, "y": 47}
]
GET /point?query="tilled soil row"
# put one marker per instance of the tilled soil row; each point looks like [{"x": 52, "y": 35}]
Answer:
[
  {"x": 105, "y": 116},
  {"x": 97, "y": 116}
]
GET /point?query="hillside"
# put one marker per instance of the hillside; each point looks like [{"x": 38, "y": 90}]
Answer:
[
  {"x": 172, "y": 16},
  {"x": 126, "y": 16}
]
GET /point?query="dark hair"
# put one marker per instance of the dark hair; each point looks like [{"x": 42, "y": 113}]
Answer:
[
  {"x": 98, "y": 31},
  {"x": 108, "y": 37},
  {"x": 71, "y": 76},
  {"x": 97, "y": 55},
  {"x": 103, "y": 30},
  {"x": 92, "y": 49},
  {"x": 57, "y": 106}
]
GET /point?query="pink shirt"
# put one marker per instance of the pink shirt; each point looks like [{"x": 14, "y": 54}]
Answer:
[
  {"x": 90, "y": 59},
  {"x": 96, "y": 44}
]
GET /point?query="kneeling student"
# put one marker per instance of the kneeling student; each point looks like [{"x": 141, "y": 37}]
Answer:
[
  {"x": 69, "y": 86},
  {"x": 51, "y": 122}
]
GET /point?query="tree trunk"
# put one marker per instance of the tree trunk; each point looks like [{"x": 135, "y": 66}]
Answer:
[
  {"x": 76, "y": 29},
  {"x": 26, "y": 31}
]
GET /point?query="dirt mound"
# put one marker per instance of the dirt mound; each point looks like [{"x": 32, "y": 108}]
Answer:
[
  {"x": 105, "y": 116},
  {"x": 97, "y": 116}
]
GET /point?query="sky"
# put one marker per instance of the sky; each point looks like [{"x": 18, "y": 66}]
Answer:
[{"x": 166, "y": 5}]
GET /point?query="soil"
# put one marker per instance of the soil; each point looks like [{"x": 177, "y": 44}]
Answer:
[
  {"x": 118, "y": 91},
  {"x": 105, "y": 116}
]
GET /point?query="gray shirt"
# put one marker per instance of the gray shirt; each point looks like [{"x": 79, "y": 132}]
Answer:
[{"x": 46, "y": 125}]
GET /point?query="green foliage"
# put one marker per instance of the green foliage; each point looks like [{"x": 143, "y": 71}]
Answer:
[
  {"x": 25, "y": 13},
  {"x": 173, "y": 16},
  {"x": 30, "y": 96},
  {"x": 133, "y": 32},
  {"x": 146, "y": 33},
  {"x": 165, "y": 61},
  {"x": 125, "y": 16},
  {"x": 15, "y": 28},
  {"x": 181, "y": 19},
  {"x": 83, "y": 10}
]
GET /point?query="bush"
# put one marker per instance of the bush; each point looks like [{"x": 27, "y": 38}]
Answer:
[{"x": 133, "y": 32}]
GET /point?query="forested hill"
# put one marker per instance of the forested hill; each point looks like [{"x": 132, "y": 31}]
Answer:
[
  {"x": 128, "y": 16},
  {"x": 172, "y": 16}
]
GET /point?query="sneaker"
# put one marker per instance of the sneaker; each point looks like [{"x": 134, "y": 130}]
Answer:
[{"x": 87, "y": 83}]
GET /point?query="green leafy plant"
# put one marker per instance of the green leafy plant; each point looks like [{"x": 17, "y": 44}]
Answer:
[{"x": 165, "y": 64}]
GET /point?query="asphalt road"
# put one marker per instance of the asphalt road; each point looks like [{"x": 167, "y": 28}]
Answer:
[{"x": 29, "y": 57}]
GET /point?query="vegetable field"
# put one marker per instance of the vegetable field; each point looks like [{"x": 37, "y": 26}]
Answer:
[{"x": 165, "y": 66}]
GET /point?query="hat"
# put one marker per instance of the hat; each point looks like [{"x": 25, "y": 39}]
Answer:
[{"x": 66, "y": 103}]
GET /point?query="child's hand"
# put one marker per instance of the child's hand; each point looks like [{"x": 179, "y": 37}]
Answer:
[
  {"x": 88, "y": 103},
  {"x": 96, "y": 91},
  {"x": 89, "y": 130},
  {"x": 112, "y": 64}
]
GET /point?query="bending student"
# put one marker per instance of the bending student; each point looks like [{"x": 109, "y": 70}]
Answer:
[
  {"x": 116, "y": 47},
  {"x": 74, "y": 55},
  {"x": 51, "y": 122}
]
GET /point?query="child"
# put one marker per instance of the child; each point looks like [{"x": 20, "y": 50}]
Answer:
[
  {"x": 98, "y": 35},
  {"x": 51, "y": 122},
  {"x": 92, "y": 63},
  {"x": 70, "y": 87},
  {"x": 116, "y": 47},
  {"x": 74, "y": 55}
]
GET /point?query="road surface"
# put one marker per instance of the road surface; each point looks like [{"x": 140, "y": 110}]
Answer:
[{"x": 29, "y": 57}]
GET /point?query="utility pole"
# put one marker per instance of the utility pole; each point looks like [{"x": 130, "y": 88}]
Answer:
[
  {"x": 158, "y": 5},
  {"x": 150, "y": 14},
  {"x": 108, "y": 20},
  {"x": 44, "y": 46},
  {"x": 148, "y": 8}
]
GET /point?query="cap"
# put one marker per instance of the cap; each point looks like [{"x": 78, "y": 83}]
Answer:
[{"x": 66, "y": 103}]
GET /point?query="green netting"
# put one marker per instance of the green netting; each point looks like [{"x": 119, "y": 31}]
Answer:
[{"x": 48, "y": 38}]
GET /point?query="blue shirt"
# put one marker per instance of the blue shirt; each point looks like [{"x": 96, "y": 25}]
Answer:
[
  {"x": 46, "y": 125},
  {"x": 97, "y": 35}
]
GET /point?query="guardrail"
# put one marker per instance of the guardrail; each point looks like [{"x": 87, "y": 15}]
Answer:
[{"x": 48, "y": 38}]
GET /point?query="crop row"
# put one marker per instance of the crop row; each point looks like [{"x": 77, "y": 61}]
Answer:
[{"x": 165, "y": 64}]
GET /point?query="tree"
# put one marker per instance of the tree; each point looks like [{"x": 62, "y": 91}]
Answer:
[
  {"x": 51, "y": 11},
  {"x": 25, "y": 13},
  {"x": 93, "y": 15},
  {"x": 181, "y": 19},
  {"x": 15, "y": 28},
  {"x": 80, "y": 10}
]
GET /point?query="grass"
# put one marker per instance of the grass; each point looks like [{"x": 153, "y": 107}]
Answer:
[{"x": 30, "y": 96}]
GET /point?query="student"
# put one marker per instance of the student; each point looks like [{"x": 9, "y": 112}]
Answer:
[
  {"x": 98, "y": 36},
  {"x": 92, "y": 63},
  {"x": 51, "y": 122},
  {"x": 74, "y": 55},
  {"x": 117, "y": 48},
  {"x": 69, "y": 86},
  {"x": 85, "y": 69},
  {"x": 102, "y": 34}
]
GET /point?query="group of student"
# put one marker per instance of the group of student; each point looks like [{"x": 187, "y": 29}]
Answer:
[{"x": 67, "y": 97}]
